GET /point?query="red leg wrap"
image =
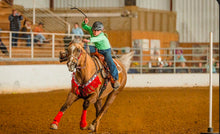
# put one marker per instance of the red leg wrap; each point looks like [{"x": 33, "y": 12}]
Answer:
[
  {"x": 83, "y": 122},
  {"x": 57, "y": 118}
]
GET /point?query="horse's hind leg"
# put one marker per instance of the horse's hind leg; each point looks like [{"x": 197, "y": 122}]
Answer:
[
  {"x": 70, "y": 99},
  {"x": 98, "y": 106},
  {"x": 111, "y": 97}
]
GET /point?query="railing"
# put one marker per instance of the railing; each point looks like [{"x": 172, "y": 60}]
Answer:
[
  {"x": 183, "y": 60},
  {"x": 178, "y": 60},
  {"x": 30, "y": 48}
]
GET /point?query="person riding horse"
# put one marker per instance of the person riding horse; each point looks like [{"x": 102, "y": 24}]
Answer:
[
  {"x": 89, "y": 84},
  {"x": 102, "y": 44}
]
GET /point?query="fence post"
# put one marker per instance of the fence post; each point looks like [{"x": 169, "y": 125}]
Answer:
[
  {"x": 141, "y": 60},
  {"x": 32, "y": 45},
  {"x": 10, "y": 44},
  {"x": 53, "y": 45},
  {"x": 210, "y": 129},
  {"x": 174, "y": 61}
]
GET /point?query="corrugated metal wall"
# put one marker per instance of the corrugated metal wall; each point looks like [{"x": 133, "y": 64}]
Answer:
[
  {"x": 64, "y": 4},
  {"x": 154, "y": 4},
  {"x": 87, "y": 3},
  {"x": 196, "y": 18},
  {"x": 29, "y": 3}
]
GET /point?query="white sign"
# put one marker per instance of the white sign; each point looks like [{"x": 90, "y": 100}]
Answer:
[{"x": 145, "y": 44}]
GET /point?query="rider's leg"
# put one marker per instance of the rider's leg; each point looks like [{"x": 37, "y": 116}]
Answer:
[
  {"x": 112, "y": 66},
  {"x": 91, "y": 48}
]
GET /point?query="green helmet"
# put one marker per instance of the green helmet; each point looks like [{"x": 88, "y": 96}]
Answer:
[{"x": 97, "y": 26}]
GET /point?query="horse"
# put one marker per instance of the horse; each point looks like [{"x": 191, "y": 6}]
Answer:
[{"x": 87, "y": 83}]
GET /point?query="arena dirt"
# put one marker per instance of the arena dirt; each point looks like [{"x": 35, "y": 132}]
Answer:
[{"x": 135, "y": 111}]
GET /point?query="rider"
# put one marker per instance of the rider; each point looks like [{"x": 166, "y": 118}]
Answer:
[{"x": 102, "y": 44}]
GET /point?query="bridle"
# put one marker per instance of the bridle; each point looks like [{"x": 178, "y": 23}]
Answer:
[{"x": 75, "y": 59}]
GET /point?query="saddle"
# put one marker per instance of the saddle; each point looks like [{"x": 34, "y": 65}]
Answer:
[{"x": 105, "y": 71}]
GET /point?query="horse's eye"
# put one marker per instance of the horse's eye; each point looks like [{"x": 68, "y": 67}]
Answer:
[{"x": 78, "y": 50}]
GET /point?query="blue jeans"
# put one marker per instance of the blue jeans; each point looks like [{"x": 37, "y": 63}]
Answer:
[
  {"x": 91, "y": 48},
  {"x": 28, "y": 40},
  {"x": 110, "y": 63},
  {"x": 40, "y": 37},
  {"x": 14, "y": 39}
]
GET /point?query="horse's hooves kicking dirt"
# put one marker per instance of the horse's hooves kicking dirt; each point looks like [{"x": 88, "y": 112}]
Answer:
[{"x": 53, "y": 126}]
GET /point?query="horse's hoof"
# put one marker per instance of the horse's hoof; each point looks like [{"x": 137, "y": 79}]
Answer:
[
  {"x": 92, "y": 127},
  {"x": 83, "y": 128},
  {"x": 54, "y": 126},
  {"x": 83, "y": 125}
]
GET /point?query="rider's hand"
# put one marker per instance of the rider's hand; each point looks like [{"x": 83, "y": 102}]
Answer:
[
  {"x": 85, "y": 40},
  {"x": 86, "y": 20}
]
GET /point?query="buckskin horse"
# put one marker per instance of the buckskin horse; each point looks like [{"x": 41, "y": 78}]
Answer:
[{"x": 88, "y": 83}]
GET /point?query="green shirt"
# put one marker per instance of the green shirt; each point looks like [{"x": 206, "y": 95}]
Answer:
[{"x": 101, "y": 41}]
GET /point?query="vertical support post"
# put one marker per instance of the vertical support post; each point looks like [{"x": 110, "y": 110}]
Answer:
[
  {"x": 68, "y": 29},
  {"x": 32, "y": 45},
  {"x": 34, "y": 12},
  {"x": 10, "y": 44},
  {"x": 53, "y": 45},
  {"x": 51, "y": 4},
  {"x": 210, "y": 82},
  {"x": 174, "y": 60},
  {"x": 141, "y": 59}
]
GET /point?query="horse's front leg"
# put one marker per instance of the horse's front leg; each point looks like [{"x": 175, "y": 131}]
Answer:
[
  {"x": 70, "y": 99},
  {"x": 90, "y": 99}
]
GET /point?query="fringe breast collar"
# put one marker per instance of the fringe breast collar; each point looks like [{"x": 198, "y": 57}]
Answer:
[{"x": 84, "y": 90}]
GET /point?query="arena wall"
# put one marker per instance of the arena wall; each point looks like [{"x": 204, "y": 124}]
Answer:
[{"x": 35, "y": 78}]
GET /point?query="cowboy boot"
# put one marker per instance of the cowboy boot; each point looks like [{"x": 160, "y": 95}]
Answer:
[{"x": 116, "y": 85}]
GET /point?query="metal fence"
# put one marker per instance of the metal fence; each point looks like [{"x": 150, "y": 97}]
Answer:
[
  {"x": 27, "y": 46},
  {"x": 179, "y": 60},
  {"x": 160, "y": 60}
]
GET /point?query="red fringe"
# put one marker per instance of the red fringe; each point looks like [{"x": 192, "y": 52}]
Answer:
[
  {"x": 91, "y": 86},
  {"x": 88, "y": 89}
]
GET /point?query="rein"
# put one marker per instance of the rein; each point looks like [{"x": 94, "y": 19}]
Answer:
[{"x": 79, "y": 67}]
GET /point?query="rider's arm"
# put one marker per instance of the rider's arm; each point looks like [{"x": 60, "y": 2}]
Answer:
[
  {"x": 97, "y": 38},
  {"x": 86, "y": 27}
]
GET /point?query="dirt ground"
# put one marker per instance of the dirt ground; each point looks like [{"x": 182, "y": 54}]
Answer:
[{"x": 135, "y": 111}]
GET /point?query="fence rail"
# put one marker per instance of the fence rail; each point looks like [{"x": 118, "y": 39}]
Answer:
[{"x": 154, "y": 60}]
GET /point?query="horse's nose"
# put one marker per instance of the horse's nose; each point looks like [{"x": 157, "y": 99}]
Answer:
[{"x": 71, "y": 66}]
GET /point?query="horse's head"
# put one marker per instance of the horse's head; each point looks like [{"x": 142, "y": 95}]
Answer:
[{"x": 75, "y": 51}]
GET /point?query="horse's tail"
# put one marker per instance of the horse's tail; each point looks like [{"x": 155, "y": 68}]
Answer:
[{"x": 126, "y": 59}]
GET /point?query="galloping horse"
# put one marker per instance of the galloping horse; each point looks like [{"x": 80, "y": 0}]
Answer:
[{"x": 87, "y": 83}]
